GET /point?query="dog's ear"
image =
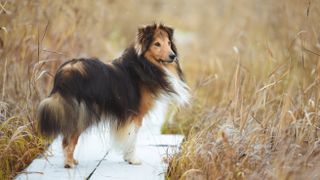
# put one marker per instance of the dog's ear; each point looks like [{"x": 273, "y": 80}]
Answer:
[
  {"x": 170, "y": 32},
  {"x": 143, "y": 39},
  {"x": 168, "y": 29},
  {"x": 139, "y": 40}
]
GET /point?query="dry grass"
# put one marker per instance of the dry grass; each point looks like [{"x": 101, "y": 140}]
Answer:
[
  {"x": 256, "y": 101},
  {"x": 37, "y": 36},
  {"x": 253, "y": 66}
]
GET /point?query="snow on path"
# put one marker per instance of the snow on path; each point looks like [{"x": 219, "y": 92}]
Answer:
[{"x": 152, "y": 147}]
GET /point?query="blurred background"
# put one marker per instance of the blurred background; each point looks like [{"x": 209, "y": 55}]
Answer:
[{"x": 253, "y": 67}]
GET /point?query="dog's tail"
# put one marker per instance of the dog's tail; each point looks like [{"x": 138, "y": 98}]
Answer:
[{"x": 51, "y": 115}]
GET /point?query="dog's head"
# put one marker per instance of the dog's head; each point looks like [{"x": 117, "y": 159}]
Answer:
[{"x": 155, "y": 43}]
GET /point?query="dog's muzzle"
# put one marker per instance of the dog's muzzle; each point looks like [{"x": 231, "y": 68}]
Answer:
[
  {"x": 172, "y": 58},
  {"x": 168, "y": 61}
]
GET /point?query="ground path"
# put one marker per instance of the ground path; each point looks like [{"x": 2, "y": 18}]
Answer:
[{"x": 152, "y": 148}]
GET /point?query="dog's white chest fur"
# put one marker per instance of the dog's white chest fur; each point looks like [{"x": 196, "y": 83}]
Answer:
[{"x": 182, "y": 95}]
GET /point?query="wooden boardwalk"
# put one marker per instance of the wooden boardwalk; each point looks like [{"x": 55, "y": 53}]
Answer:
[{"x": 97, "y": 161}]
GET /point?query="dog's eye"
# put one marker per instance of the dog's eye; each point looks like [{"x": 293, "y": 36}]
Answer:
[{"x": 157, "y": 44}]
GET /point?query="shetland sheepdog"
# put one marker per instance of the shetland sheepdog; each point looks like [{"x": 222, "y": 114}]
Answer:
[{"x": 87, "y": 92}]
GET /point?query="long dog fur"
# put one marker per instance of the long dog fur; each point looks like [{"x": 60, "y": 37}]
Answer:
[{"x": 85, "y": 90}]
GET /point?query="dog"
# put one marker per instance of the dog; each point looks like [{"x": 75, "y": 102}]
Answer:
[{"x": 87, "y": 92}]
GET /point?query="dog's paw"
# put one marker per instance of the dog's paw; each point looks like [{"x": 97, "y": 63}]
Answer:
[
  {"x": 71, "y": 164},
  {"x": 134, "y": 160}
]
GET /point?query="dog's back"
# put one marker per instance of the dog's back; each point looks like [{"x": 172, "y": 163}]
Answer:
[{"x": 83, "y": 91}]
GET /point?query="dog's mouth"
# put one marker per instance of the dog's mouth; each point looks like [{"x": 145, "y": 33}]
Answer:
[{"x": 166, "y": 61}]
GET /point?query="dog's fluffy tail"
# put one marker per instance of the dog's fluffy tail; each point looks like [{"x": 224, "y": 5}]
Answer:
[{"x": 51, "y": 114}]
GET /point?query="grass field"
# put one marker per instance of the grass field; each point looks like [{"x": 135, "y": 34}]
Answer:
[{"x": 253, "y": 67}]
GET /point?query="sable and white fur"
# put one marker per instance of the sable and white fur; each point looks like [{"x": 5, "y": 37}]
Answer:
[{"x": 87, "y": 91}]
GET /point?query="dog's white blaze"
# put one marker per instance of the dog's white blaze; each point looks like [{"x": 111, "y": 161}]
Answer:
[{"x": 182, "y": 95}]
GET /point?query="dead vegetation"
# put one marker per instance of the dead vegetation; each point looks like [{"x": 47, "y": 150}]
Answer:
[
  {"x": 253, "y": 66},
  {"x": 256, "y": 101}
]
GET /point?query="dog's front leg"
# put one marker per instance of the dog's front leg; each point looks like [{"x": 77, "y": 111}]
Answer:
[{"x": 129, "y": 153}]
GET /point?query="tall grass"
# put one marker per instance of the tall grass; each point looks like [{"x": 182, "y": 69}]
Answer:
[
  {"x": 258, "y": 96},
  {"x": 253, "y": 66},
  {"x": 35, "y": 38}
]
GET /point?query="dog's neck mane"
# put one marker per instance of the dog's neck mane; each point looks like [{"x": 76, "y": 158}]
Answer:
[
  {"x": 143, "y": 71},
  {"x": 160, "y": 82}
]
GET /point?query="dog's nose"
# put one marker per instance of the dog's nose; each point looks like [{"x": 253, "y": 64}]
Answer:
[{"x": 172, "y": 56}]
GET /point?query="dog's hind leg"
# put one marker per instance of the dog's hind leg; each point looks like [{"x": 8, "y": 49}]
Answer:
[{"x": 69, "y": 144}]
